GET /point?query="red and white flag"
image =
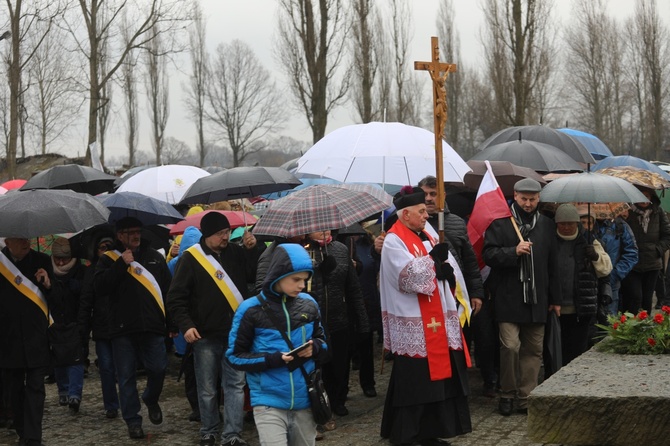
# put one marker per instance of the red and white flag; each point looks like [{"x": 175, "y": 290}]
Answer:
[{"x": 490, "y": 205}]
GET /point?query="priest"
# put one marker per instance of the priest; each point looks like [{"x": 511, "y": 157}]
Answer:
[{"x": 427, "y": 395}]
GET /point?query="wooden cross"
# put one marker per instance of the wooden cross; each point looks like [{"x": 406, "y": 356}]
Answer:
[
  {"x": 438, "y": 73},
  {"x": 434, "y": 324}
]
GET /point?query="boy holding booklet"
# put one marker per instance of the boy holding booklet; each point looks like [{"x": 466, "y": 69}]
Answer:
[{"x": 278, "y": 390}]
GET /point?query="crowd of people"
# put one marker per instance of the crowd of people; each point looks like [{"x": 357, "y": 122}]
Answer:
[{"x": 240, "y": 308}]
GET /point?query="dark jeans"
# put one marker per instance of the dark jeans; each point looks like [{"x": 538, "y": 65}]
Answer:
[
  {"x": 110, "y": 396},
  {"x": 638, "y": 290},
  {"x": 27, "y": 399},
  {"x": 151, "y": 347},
  {"x": 336, "y": 371}
]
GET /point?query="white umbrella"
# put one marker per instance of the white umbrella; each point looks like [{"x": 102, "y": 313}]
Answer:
[
  {"x": 380, "y": 152},
  {"x": 167, "y": 183}
]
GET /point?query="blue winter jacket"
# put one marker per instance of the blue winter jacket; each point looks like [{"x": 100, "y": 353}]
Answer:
[
  {"x": 256, "y": 345},
  {"x": 191, "y": 237},
  {"x": 618, "y": 241}
]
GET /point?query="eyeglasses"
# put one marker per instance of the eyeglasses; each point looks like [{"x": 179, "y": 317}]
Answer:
[{"x": 222, "y": 233}]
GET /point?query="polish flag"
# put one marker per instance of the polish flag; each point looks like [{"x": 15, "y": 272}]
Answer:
[{"x": 490, "y": 205}]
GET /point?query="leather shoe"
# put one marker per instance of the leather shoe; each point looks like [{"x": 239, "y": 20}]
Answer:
[
  {"x": 341, "y": 411},
  {"x": 111, "y": 413},
  {"x": 505, "y": 406},
  {"x": 155, "y": 413},
  {"x": 195, "y": 416},
  {"x": 135, "y": 432},
  {"x": 370, "y": 392}
]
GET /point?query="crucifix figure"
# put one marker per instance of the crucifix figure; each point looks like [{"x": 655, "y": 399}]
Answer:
[{"x": 439, "y": 71}]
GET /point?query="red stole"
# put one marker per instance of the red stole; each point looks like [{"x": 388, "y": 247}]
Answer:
[{"x": 432, "y": 313}]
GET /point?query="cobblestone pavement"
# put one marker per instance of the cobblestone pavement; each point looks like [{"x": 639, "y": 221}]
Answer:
[{"x": 360, "y": 427}]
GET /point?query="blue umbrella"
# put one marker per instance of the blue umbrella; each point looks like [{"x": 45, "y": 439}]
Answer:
[
  {"x": 629, "y": 160},
  {"x": 593, "y": 144},
  {"x": 149, "y": 211}
]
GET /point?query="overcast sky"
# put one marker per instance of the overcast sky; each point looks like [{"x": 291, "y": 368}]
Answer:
[{"x": 254, "y": 22}]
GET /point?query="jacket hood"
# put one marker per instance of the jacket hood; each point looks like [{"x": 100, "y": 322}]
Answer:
[
  {"x": 191, "y": 237},
  {"x": 287, "y": 259}
]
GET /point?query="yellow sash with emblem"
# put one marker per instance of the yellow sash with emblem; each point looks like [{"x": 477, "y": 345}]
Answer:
[
  {"x": 23, "y": 285},
  {"x": 144, "y": 277},
  {"x": 218, "y": 275}
]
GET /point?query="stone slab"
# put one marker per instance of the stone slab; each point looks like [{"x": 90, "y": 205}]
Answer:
[{"x": 604, "y": 399}]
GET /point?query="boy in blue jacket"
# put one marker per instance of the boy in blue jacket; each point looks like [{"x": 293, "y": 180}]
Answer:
[{"x": 278, "y": 390}]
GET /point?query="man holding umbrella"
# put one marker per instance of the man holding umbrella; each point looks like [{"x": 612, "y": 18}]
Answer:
[
  {"x": 522, "y": 254},
  {"x": 209, "y": 283},
  {"x": 25, "y": 283},
  {"x": 134, "y": 278}
]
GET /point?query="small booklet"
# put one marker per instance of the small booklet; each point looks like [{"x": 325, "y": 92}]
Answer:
[{"x": 300, "y": 348}]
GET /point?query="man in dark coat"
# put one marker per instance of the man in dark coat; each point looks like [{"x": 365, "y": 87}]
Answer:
[
  {"x": 209, "y": 283},
  {"x": 25, "y": 285},
  {"x": 522, "y": 271},
  {"x": 134, "y": 278}
]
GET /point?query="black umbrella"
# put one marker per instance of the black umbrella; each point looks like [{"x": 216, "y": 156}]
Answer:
[
  {"x": 535, "y": 155},
  {"x": 74, "y": 177},
  {"x": 150, "y": 211},
  {"x": 540, "y": 133},
  {"x": 36, "y": 213},
  {"x": 239, "y": 182}
]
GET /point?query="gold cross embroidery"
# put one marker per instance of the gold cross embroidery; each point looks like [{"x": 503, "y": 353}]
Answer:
[{"x": 434, "y": 324}]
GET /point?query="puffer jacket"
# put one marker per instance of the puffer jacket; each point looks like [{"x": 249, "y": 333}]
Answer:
[
  {"x": 577, "y": 278},
  {"x": 190, "y": 237},
  {"x": 338, "y": 292},
  {"x": 255, "y": 344}
]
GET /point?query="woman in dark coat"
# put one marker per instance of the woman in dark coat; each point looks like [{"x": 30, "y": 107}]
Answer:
[
  {"x": 651, "y": 230},
  {"x": 336, "y": 288}
]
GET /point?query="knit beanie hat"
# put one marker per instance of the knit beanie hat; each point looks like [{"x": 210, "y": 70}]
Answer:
[
  {"x": 61, "y": 248},
  {"x": 212, "y": 223},
  {"x": 566, "y": 213}
]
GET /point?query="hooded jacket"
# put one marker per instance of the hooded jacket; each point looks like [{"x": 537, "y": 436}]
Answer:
[
  {"x": 190, "y": 237},
  {"x": 256, "y": 345}
]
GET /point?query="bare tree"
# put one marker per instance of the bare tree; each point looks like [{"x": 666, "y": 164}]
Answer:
[
  {"x": 518, "y": 56},
  {"x": 22, "y": 21},
  {"x": 129, "y": 86},
  {"x": 175, "y": 151},
  {"x": 243, "y": 105},
  {"x": 401, "y": 37},
  {"x": 106, "y": 94},
  {"x": 366, "y": 45},
  {"x": 101, "y": 17},
  {"x": 594, "y": 57},
  {"x": 650, "y": 52},
  {"x": 157, "y": 88},
  {"x": 310, "y": 48},
  {"x": 196, "y": 89},
  {"x": 52, "y": 95}
]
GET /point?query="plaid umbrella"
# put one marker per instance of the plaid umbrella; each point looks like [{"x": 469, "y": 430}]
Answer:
[
  {"x": 321, "y": 207},
  {"x": 637, "y": 176}
]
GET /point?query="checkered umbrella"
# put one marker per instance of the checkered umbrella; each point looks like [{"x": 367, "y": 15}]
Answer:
[{"x": 321, "y": 207}]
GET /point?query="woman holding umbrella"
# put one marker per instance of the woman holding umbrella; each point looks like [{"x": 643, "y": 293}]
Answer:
[{"x": 651, "y": 230}]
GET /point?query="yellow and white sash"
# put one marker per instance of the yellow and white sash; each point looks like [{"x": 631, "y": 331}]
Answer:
[
  {"x": 219, "y": 276},
  {"x": 143, "y": 276},
  {"x": 23, "y": 285}
]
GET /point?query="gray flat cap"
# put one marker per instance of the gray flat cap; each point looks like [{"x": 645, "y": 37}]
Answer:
[{"x": 527, "y": 185}]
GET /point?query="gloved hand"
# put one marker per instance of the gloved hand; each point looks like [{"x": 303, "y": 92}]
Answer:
[
  {"x": 590, "y": 253},
  {"x": 444, "y": 271},
  {"x": 327, "y": 265},
  {"x": 440, "y": 252}
]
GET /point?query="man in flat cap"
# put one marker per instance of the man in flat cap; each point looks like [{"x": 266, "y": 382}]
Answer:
[
  {"x": 209, "y": 283},
  {"x": 419, "y": 277},
  {"x": 521, "y": 252},
  {"x": 133, "y": 278}
]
